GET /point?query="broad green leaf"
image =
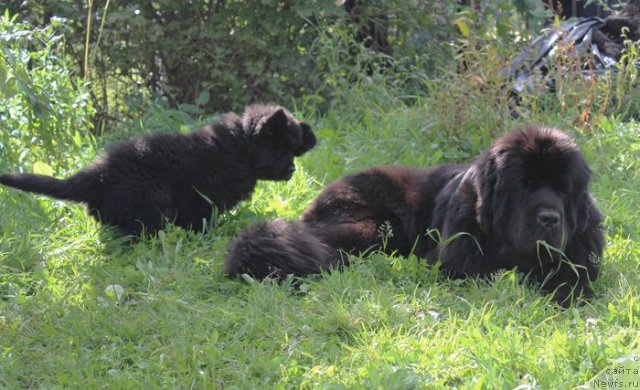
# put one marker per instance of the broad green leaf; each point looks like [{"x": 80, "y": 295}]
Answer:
[
  {"x": 463, "y": 26},
  {"x": 203, "y": 98},
  {"x": 77, "y": 139},
  {"x": 42, "y": 168}
]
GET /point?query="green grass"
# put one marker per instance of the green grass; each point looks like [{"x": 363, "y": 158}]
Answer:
[{"x": 80, "y": 308}]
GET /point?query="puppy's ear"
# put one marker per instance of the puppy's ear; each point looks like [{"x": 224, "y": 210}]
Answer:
[
  {"x": 308, "y": 140},
  {"x": 272, "y": 123}
]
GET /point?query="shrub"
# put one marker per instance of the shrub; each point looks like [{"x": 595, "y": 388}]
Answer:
[{"x": 44, "y": 112}]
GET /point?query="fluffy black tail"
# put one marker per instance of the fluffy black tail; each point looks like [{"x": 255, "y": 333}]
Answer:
[
  {"x": 75, "y": 188},
  {"x": 278, "y": 248}
]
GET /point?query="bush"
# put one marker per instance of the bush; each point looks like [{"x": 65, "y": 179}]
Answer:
[
  {"x": 219, "y": 55},
  {"x": 236, "y": 51},
  {"x": 45, "y": 112}
]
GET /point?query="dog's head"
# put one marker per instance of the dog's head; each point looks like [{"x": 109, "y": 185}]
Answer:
[
  {"x": 277, "y": 137},
  {"x": 532, "y": 188}
]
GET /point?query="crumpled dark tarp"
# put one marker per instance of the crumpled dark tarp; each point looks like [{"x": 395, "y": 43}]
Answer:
[{"x": 539, "y": 57}]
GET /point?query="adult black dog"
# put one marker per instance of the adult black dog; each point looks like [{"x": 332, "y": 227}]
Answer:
[
  {"x": 523, "y": 204},
  {"x": 137, "y": 185}
]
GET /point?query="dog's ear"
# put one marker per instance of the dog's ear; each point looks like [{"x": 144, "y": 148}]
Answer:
[
  {"x": 308, "y": 140},
  {"x": 488, "y": 183},
  {"x": 585, "y": 246},
  {"x": 583, "y": 208},
  {"x": 585, "y": 212},
  {"x": 272, "y": 123}
]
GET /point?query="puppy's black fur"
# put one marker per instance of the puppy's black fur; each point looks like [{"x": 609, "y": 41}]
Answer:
[
  {"x": 522, "y": 204},
  {"x": 137, "y": 185}
]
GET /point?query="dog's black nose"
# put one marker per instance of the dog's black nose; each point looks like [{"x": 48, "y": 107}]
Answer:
[
  {"x": 292, "y": 168},
  {"x": 548, "y": 218}
]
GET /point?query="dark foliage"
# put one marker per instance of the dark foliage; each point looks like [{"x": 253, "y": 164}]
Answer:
[
  {"x": 522, "y": 204},
  {"x": 233, "y": 51}
]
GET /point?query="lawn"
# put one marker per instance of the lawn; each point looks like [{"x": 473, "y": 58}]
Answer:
[{"x": 82, "y": 308}]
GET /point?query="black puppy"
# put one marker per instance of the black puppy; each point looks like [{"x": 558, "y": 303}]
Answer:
[
  {"x": 523, "y": 204},
  {"x": 138, "y": 184}
]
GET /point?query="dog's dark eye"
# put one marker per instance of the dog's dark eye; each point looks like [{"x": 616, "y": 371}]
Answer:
[
  {"x": 563, "y": 187},
  {"x": 526, "y": 185}
]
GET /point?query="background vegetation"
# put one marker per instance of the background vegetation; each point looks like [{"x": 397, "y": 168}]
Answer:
[{"x": 81, "y": 307}]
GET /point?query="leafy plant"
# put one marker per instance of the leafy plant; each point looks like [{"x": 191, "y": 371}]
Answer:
[{"x": 44, "y": 115}]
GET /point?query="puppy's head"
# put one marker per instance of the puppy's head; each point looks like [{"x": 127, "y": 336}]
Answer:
[{"x": 277, "y": 137}]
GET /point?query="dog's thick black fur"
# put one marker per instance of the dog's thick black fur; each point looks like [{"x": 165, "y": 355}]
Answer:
[
  {"x": 523, "y": 204},
  {"x": 137, "y": 185}
]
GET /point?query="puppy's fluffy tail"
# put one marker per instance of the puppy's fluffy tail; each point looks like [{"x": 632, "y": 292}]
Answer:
[
  {"x": 278, "y": 248},
  {"x": 75, "y": 188}
]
